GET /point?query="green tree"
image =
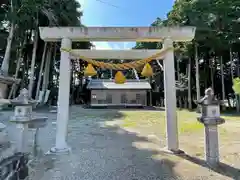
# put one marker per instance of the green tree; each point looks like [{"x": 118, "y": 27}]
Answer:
[
  {"x": 218, "y": 30},
  {"x": 28, "y": 15}
]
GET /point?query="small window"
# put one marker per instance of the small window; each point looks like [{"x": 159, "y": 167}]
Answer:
[
  {"x": 124, "y": 98},
  {"x": 100, "y": 101},
  {"x": 109, "y": 98},
  {"x": 133, "y": 101},
  {"x": 138, "y": 96}
]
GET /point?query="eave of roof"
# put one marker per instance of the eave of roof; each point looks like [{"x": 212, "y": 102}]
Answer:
[{"x": 110, "y": 84}]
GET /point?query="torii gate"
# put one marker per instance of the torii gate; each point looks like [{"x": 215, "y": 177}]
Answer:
[{"x": 144, "y": 34}]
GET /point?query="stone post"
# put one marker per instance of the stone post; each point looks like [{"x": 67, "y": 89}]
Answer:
[
  {"x": 170, "y": 98},
  {"x": 63, "y": 100},
  {"x": 211, "y": 119}
]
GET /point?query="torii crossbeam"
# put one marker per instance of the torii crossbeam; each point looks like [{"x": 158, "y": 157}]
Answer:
[{"x": 67, "y": 35}]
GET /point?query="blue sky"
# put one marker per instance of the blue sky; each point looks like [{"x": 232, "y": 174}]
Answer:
[{"x": 122, "y": 13}]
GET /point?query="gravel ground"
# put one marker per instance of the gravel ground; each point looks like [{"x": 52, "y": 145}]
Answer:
[{"x": 102, "y": 152}]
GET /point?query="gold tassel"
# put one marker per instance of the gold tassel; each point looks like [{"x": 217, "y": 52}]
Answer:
[
  {"x": 90, "y": 71},
  {"x": 147, "y": 71},
  {"x": 120, "y": 78}
]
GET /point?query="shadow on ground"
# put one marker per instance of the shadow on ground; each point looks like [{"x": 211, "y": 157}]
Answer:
[
  {"x": 224, "y": 169},
  {"x": 101, "y": 152},
  {"x": 104, "y": 152}
]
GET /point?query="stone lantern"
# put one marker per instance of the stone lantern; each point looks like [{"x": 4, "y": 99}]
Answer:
[
  {"x": 210, "y": 117},
  {"x": 24, "y": 120}
]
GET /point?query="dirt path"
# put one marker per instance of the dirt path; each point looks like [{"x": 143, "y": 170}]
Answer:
[
  {"x": 105, "y": 151},
  {"x": 192, "y": 165}
]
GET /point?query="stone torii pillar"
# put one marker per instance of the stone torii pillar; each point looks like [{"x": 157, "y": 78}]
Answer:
[
  {"x": 143, "y": 34},
  {"x": 170, "y": 98},
  {"x": 63, "y": 99}
]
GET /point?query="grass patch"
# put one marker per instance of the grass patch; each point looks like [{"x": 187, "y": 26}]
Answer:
[
  {"x": 155, "y": 121},
  {"x": 129, "y": 123},
  {"x": 222, "y": 131},
  {"x": 187, "y": 121},
  {"x": 189, "y": 127}
]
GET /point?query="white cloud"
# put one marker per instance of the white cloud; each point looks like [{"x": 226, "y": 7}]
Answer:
[{"x": 83, "y": 3}]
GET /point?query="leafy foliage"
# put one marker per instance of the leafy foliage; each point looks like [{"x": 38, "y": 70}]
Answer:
[
  {"x": 218, "y": 30},
  {"x": 27, "y": 16}
]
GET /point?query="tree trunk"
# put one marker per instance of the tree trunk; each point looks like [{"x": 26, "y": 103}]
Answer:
[
  {"x": 197, "y": 72},
  {"x": 31, "y": 81},
  {"x": 41, "y": 71},
  {"x": 73, "y": 83},
  {"x": 189, "y": 85},
  {"x": 159, "y": 64},
  {"x": 222, "y": 80},
  {"x": 238, "y": 71},
  {"x": 150, "y": 91},
  {"x": 197, "y": 75},
  {"x": 178, "y": 70},
  {"x": 229, "y": 102},
  {"x": 19, "y": 61},
  {"x": 236, "y": 96},
  {"x": 26, "y": 58},
  {"x": 212, "y": 74},
  {"x": 5, "y": 63},
  {"x": 231, "y": 60},
  {"x": 47, "y": 69},
  {"x": 135, "y": 73}
]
